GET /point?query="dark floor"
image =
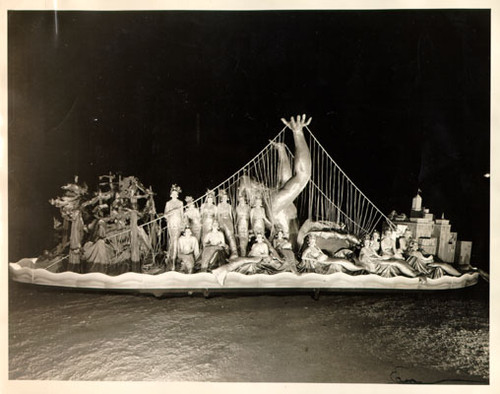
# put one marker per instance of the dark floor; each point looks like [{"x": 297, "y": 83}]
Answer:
[{"x": 439, "y": 337}]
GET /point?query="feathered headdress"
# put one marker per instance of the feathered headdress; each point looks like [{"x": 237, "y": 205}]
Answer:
[{"x": 176, "y": 188}]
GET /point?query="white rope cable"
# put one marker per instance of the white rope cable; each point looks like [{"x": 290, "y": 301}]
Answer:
[{"x": 340, "y": 169}]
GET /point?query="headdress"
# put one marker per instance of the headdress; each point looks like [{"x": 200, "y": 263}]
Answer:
[
  {"x": 188, "y": 199},
  {"x": 222, "y": 192},
  {"x": 210, "y": 193},
  {"x": 176, "y": 188}
]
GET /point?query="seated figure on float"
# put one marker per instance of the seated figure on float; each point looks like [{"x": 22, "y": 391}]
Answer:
[
  {"x": 242, "y": 224},
  {"x": 225, "y": 219},
  {"x": 404, "y": 242},
  {"x": 315, "y": 260},
  {"x": 284, "y": 248},
  {"x": 388, "y": 246},
  {"x": 375, "y": 241},
  {"x": 174, "y": 215},
  {"x": 261, "y": 259},
  {"x": 189, "y": 251},
  {"x": 214, "y": 249},
  {"x": 385, "y": 266},
  {"x": 426, "y": 264},
  {"x": 192, "y": 217}
]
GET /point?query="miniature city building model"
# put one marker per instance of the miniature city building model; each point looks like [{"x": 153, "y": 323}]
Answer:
[
  {"x": 463, "y": 252},
  {"x": 435, "y": 236}
]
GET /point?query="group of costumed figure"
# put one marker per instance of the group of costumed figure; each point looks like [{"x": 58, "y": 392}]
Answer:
[
  {"x": 118, "y": 230},
  {"x": 104, "y": 231}
]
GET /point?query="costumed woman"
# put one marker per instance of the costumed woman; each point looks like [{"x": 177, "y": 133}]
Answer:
[
  {"x": 259, "y": 260},
  {"x": 427, "y": 265},
  {"x": 388, "y": 246},
  {"x": 314, "y": 260},
  {"x": 174, "y": 215},
  {"x": 384, "y": 266},
  {"x": 98, "y": 253},
  {"x": 214, "y": 249},
  {"x": 75, "y": 241},
  {"x": 192, "y": 217},
  {"x": 284, "y": 248},
  {"x": 242, "y": 224},
  {"x": 225, "y": 219},
  {"x": 208, "y": 212},
  {"x": 258, "y": 217}
]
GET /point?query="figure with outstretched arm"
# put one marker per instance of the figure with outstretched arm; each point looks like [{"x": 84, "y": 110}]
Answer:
[{"x": 282, "y": 206}]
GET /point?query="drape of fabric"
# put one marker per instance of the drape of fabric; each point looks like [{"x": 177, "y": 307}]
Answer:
[
  {"x": 75, "y": 243},
  {"x": 175, "y": 224},
  {"x": 242, "y": 227},
  {"x": 225, "y": 218},
  {"x": 98, "y": 255},
  {"x": 208, "y": 213}
]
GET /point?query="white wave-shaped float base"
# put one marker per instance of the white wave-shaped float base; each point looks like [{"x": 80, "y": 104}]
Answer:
[{"x": 24, "y": 271}]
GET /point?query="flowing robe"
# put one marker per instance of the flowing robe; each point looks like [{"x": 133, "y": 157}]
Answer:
[
  {"x": 258, "y": 220},
  {"x": 75, "y": 242},
  {"x": 175, "y": 220},
  {"x": 242, "y": 224},
  {"x": 313, "y": 259},
  {"x": 225, "y": 218},
  {"x": 208, "y": 213}
]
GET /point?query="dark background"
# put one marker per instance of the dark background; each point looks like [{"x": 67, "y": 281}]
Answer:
[{"x": 400, "y": 99}]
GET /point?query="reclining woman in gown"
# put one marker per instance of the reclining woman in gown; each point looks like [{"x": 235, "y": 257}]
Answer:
[
  {"x": 426, "y": 264},
  {"x": 262, "y": 258},
  {"x": 385, "y": 266},
  {"x": 314, "y": 260}
]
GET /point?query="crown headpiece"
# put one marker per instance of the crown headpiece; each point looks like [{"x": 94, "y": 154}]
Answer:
[
  {"x": 175, "y": 188},
  {"x": 188, "y": 199},
  {"x": 210, "y": 193}
]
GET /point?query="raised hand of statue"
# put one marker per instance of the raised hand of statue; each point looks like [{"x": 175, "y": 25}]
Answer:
[{"x": 297, "y": 124}]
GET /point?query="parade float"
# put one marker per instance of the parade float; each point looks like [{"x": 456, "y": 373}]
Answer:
[{"x": 284, "y": 221}]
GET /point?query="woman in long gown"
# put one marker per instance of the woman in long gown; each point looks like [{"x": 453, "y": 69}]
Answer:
[
  {"x": 259, "y": 260},
  {"x": 225, "y": 219},
  {"x": 242, "y": 224},
  {"x": 174, "y": 215},
  {"x": 427, "y": 265},
  {"x": 258, "y": 217},
  {"x": 98, "y": 254},
  {"x": 384, "y": 266},
  {"x": 208, "y": 212},
  {"x": 314, "y": 260},
  {"x": 192, "y": 218},
  {"x": 75, "y": 241}
]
